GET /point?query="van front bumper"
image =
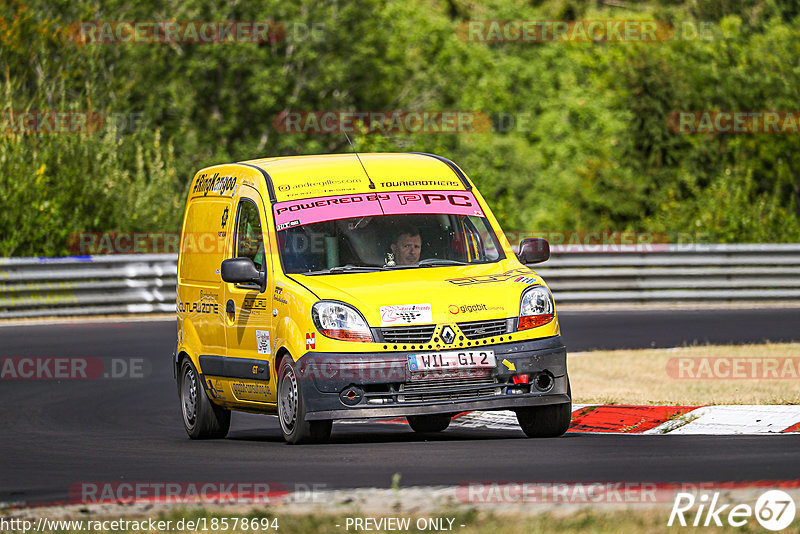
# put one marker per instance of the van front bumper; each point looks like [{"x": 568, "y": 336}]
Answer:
[{"x": 361, "y": 385}]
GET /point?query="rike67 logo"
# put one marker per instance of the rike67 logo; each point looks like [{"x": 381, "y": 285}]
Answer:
[{"x": 774, "y": 510}]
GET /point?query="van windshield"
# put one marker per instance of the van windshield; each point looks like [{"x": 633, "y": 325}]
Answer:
[{"x": 361, "y": 233}]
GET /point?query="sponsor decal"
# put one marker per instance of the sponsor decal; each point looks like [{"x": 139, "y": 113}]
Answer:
[
  {"x": 219, "y": 185},
  {"x": 254, "y": 391},
  {"x": 225, "y": 217},
  {"x": 311, "y": 341},
  {"x": 254, "y": 304},
  {"x": 420, "y": 183},
  {"x": 262, "y": 341},
  {"x": 284, "y": 226},
  {"x": 198, "y": 307},
  {"x": 278, "y": 295},
  {"x": 406, "y": 314},
  {"x": 489, "y": 278},
  {"x": 471, "y": 308},
  {"x": 293, "y": 212},
  {"x": 321, "y": 183},
  {"x": 525, "y": 279}
]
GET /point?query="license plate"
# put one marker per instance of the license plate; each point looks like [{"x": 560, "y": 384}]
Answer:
[{"x": 445, "y": 361}]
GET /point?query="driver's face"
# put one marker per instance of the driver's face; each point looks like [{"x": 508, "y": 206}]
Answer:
[{"x": 407, "y": 249}]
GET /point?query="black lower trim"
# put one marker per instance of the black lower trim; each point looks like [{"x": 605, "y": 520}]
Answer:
[
  {"x": 505, "y": 403},
  {"x": 243, "y": 368}
]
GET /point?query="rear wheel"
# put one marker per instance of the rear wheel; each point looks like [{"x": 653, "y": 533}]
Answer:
[
  {"x": 548, "y": 421},
  {"x": 429, "y": 423},
  {"x": 202, "y": 419},
  {"x": 292, "y": 411}
]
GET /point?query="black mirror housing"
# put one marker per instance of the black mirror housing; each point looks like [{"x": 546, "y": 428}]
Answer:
[
  {"x": 243, "y": 271},
  {"x": 534, "y": 250}
]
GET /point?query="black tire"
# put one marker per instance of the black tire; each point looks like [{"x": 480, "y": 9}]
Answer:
[
  {"x": 202, "y": 419},
  {"x": 428, "y": 424},
  {"x": 292, "y": 410},
  {"x": 548, "y": 421}
]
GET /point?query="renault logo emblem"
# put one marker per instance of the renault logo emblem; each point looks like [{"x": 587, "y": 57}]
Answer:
[{"x": 448, "y": 335}]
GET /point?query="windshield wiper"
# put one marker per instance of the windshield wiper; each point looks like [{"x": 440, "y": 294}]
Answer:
[
  {"x": 347, "y": 269},
  {"x": 439, "y": 262}
]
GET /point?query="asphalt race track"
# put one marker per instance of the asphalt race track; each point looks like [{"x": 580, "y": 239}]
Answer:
[{"x": 59, "y": 433}]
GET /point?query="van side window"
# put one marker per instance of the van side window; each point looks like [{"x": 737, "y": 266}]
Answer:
[{"x": 249, "y": 239}]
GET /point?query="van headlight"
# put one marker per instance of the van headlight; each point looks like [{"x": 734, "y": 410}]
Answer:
[
  {"x": 535, "y": 308},
  {"x": 340, "y": 321}
]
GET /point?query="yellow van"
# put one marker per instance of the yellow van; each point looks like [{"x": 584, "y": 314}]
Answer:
[{"x": 350, "y": 286}]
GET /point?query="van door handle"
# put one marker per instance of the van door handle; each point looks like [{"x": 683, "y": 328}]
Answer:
[{"x": 230, "y": 307}]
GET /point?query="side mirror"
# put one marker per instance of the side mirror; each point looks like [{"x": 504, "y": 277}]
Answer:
[
  {"x": 534, "y": 250},
  {"x": 243, "y": 271}
]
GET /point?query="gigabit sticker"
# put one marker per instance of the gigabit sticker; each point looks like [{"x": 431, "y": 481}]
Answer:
[{"x": 406, "y": 314}]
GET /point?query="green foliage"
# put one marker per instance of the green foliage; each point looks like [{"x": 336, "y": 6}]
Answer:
[{"x": 580, "y": 140}]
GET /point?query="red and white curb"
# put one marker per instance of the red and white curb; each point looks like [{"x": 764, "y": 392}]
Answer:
[
  {"x": 727, "y": 419},
  {"x": 620, "y": 419}
]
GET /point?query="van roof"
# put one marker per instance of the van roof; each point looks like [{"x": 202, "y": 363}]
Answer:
[{"x": 296, "y": 177}]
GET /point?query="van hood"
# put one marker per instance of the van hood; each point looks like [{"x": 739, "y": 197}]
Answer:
[{"x": 426, "y": 295}]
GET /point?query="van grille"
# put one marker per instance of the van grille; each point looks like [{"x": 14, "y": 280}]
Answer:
[
  {"x": 482, "y": 329},
  {"x": 408, "y": 334},
  {"x": 448, "y": 389}
]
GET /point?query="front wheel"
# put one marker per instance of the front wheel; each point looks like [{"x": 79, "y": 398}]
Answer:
[
  {"x": 549, "y": 421},
  {"x": 202, "y": 419},
  {"x": 428, "y": 424},
  {"x": 292, "y": 410}
]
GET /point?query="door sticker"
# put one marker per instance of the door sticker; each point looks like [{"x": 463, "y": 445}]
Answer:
[{"x": 262, "y": 341}]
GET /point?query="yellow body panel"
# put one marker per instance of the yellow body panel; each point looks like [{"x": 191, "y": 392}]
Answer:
[
  {"x": 317, "y": 176},
  {"x": 282, "y": 313}
]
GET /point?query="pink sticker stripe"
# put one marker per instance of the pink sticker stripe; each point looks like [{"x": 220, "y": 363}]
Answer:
[
  {"x": 314, "y": 210},
  {"x": 449, "y": 202},
  {"x": 309, "y": 211}
]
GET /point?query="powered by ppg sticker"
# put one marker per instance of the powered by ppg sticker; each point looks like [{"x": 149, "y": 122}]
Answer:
[
  {"x": 406, "y": 314},
  {"x": 262, "y": 341}
]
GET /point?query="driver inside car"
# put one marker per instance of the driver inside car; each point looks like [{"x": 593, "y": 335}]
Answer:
[{"x": 406, "y": 246}]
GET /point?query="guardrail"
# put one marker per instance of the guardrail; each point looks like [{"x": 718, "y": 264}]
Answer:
[
  {"x": 146, "y": 283},
  {"x": 88, "y": 285}
]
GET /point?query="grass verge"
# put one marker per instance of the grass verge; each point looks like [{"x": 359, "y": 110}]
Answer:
[{"x": 697, "y": 375}]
